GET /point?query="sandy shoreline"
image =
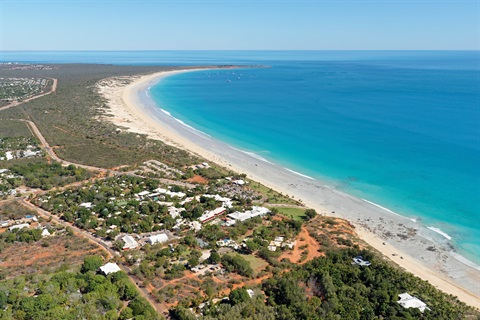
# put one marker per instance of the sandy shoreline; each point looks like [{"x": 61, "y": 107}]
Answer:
[{"x": 391, "y": 234}]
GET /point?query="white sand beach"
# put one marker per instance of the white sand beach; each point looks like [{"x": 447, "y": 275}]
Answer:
[{"x": 400, "y": 239}]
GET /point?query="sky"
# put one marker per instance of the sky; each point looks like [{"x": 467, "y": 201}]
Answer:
[{"x": 239, "y": 25}]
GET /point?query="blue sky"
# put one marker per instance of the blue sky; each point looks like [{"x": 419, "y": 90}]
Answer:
[{"x": 239, "y": 25}]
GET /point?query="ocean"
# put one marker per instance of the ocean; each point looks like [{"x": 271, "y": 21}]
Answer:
[{"x": 400, "y": 129}]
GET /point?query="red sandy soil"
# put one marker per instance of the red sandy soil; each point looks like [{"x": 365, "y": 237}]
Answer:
[
  {"x": 198, "y": 179},
  {"x": 21, "y": 257},
  {"x": 312, "y": 246}
]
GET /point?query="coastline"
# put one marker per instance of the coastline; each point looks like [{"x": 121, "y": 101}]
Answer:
[{"x": 132, "y": 109}]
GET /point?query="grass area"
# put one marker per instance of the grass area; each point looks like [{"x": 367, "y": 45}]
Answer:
[
  {"x": 295, "y": 213},
  {"x": 271, "y": 195},
  {"x": 257, "y": 264},
  {"x": 13, "y": 128}
]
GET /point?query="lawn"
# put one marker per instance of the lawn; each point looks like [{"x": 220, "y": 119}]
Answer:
[
  {"x": 271, "y": 195},
  {"x": 295, "y": 213},
  {"x": 256, "y": 264}
]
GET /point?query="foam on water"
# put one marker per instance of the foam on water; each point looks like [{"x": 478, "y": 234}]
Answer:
[
  {"x": 299, "y": 174},
  {"x": 440, "y": 232},
  {"x": 252, "y": 154}
]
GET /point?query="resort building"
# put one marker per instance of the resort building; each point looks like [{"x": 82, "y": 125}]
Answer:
[
  {"x": 255, "y": 212},
  {"x": 408, "y": 301},
  {"x": 359, "y": 261},
  {"x": 159, "y": 238},
  {"x": 109, "y": 268},
  {"x": 19, "y": 226},
  {"x": 210, "y": 215},
  {"x": 130, "y": 243}
]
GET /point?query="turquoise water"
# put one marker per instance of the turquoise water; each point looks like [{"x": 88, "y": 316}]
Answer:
[
  {"x": 399, "y": 128},
  {"x": 401, "y": 132}
]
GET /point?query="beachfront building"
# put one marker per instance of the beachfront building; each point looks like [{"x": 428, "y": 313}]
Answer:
[
  {"x": 255, "y": 212},
  {"x": 158, "y": 238},
  {"x": 361, "y": 262},
  {"x": 109, "y": 268},
  {"x": 407, "y": 301}
]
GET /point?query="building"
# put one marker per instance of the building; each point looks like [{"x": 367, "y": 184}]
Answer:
[
  {"x": 46, "y": 233},
  {"x": 130, "y": 243},
  {"x": 210, "y": 215},
  {"x": 407, "y": 301},
  {"x": 359, "y": 261},
  {"x": 109, "y": 268},
  {"x": 19, "y": 226},
  {"x": 255, "y": 212},
  {"x": 158, "y": 238}
]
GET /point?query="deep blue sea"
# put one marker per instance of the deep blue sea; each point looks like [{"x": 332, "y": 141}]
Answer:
[{"x": 398, "y": 128}]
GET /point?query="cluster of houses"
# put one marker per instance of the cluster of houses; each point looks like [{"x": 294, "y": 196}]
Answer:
[
  {"x": 15, "y": 225},
  {"x": 4, "y": 190},
  {"x": 280, "y": 242},
  {"x": 30, "y": 151}
]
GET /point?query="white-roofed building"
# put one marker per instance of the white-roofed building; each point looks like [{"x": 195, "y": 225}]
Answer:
[
  {"x": 407, "y": 301},
  {"x": 142, "y": 194},
  {"x": 158, "y": 238},
  {"x": 256, "y": 211},
  {"x": 130, "y": 243},
  {"x": 46, "y": 233},
  {"x": 87, "y": 205},
  {"x": 110, "y": 268},
  {"x": 210, "y": 215},
  {"x": 19, "y": 226}
]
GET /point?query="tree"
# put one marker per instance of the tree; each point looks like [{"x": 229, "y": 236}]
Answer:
[
  {"x": 91, "y": 263},
  {"x": 310, "y": 214},
  {"x": 238, "y": 296},
  {"x": 214, "y": 257}
]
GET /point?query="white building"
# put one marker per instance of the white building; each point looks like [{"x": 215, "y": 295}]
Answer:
[
  {"x": 130, "y": 243},
  {"x": 87, "y": 205},
  {"x": 242, "y": 216},
  {"x": 158, "y": 238},
  {"x": 46, "y": 233},
  {"x": 210, "y": 215},
  {"x": 407, "y": 301},
  {"x": 110, "y": 268},
  {"x": 19, "y": 226}
]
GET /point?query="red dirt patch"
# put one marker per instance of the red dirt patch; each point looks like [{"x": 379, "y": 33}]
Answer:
[
  {"x": 198, "y": 179},
  {"x": 295, "y": 256}
]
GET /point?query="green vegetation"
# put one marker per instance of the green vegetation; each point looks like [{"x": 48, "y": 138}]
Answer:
[
  {"x": 238, "y": 264},
  {"x": 270, "y": 195},
  {"x": 69, "y": 294},
  {"x": 294, "y": 213},
  {"x": 69, "y": 119},
  {"x": 19, "y": 89},
  {"x": 38, "y": 173},
  {"x": 14, "y": 129}
]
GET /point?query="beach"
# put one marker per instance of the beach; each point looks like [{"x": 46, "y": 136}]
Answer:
[{"x": 131, "y": 108}]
